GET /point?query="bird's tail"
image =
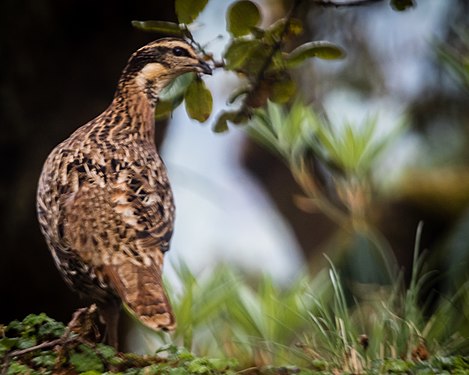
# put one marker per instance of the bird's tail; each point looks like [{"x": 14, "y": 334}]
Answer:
[{"x": 141, "y": 290}]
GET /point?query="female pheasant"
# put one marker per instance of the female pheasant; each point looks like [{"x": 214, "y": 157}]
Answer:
[{"x": 104, "y": 202}]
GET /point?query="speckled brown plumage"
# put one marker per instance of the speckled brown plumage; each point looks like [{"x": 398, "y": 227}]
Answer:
[{"x": 104, "y": 202}]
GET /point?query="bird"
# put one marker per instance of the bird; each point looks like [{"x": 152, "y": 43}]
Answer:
[{"x": 104, "y": 201}]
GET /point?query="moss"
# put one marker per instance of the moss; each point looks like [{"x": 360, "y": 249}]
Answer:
[{"x": 41, "y": 345}]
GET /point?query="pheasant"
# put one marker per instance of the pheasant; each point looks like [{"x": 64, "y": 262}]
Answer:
[{"x": 104, "y": 202}]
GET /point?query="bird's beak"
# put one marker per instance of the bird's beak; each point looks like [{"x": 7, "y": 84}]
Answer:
[{"x": 203, "y": 67}]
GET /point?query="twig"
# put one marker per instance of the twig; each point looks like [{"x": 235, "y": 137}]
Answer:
[
  {"x": 188, "y": 35},
  {"x": 268, "y": 60},
  {"x": 248, "y": 369}
]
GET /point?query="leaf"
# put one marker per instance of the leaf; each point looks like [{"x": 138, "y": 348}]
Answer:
[
  {"x": 51, "y": 328},
  {"x": 295, "y": 28},
  {"x": 241, "y": 17},
  {"x": 27, "y": 342},
  {"x": 161, "y": 27},
  {"x": 86, "y": 360},
  {"x": 172, "y": 95},
  {"x": 177, "y": 87},
  {"x": 221, "y": 125},
  {"x": 46, "y": 358},
  {"x": 164, "y": 108},
  {"x": 246, "y": 56},
  {"x": 16, "y": 368},
  {"x": 188, "y": 10},
  {"x": 237, "y": 93},
  {"x": 198, "y": 100},
  {"x": 106, "y": 351},
  {"x": 320, "y": 49},
  {"x": 7, "y": 343},
  {"x": 282, "y": 91},
  {"x": 239, "y": 51}
]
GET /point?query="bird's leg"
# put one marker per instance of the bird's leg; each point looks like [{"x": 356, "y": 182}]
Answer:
[{"x": 110, "y": 315}]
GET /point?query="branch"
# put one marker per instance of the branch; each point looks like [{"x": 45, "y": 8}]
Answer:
[{"x": 275, "y": 48}]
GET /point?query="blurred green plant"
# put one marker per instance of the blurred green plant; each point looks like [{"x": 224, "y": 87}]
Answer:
[
  {"x": 315, "y": 323},
  {"x": 457, "y": 59},
  {"x": 347, "y": 154}
]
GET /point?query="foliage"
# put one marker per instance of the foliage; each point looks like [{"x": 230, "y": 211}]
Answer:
[
  {"x": 252, "y": 52},
  {"x": 316, "y": 323},
  {"x": 348, "y": 153},
  {"x": 257, "y": 54}
]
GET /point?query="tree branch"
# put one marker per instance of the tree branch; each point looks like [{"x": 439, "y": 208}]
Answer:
[{"x": 275, "y": 48}]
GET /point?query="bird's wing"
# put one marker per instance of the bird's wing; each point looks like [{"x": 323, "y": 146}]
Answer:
[
  {"x": 121, "y": 228},
  {"x": 126, "y": 209}
]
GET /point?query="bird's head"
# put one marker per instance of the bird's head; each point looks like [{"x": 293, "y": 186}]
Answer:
[{"x": 156, "y": 64}]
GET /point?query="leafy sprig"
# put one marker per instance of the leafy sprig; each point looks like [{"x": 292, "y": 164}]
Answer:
[{"x": 255, "y": 53}]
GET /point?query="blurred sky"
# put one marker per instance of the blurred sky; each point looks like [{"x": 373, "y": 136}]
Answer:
[{"x": 222, "y": 213}]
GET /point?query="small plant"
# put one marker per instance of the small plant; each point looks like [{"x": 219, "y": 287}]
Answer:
[{"x": 316, "y": 323}]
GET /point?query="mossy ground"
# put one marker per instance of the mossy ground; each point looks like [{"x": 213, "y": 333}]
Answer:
[{"x": 41, "y": 345}]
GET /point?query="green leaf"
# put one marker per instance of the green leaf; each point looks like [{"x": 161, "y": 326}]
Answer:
[
  {"x": 282, "y": 91},
  {"x": 18, "y": 368},
  {"x": 247, "y": 56},
  {"x": 320, "y": 49},
  {"x": 46, "y": 358},
  {"x": 172, "y": 95},
  {"x": 86, "y": 360},
  {"x": 237, "y": 93},
  {"x": 27, "y": 342},
  {"x": 7, "y": 343},
  {"x": 51, "y": 328},
  {"x": 221, "y": 125},
  {"x": 198, "y": 100},
  {"x": 161, "y": 27},
  {"x": 188, "y": 10},
  {"x": 164, "y": 109},
  {"x": 241, "y": 17},
  {"x": 177, "y": 87},
  {"x": 106, "y": 351},
  {"x": 239, "y": 51},
  {"x": 295, "y": 28}
]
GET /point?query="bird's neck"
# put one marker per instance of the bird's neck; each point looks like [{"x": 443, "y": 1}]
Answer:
[{"x": 133, "y": 108}]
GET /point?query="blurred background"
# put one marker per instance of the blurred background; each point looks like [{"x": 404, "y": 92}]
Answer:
[{"x": 236, "y": 202}]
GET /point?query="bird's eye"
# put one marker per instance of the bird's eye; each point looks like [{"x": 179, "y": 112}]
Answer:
[{"x": 179, "y": 51}]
